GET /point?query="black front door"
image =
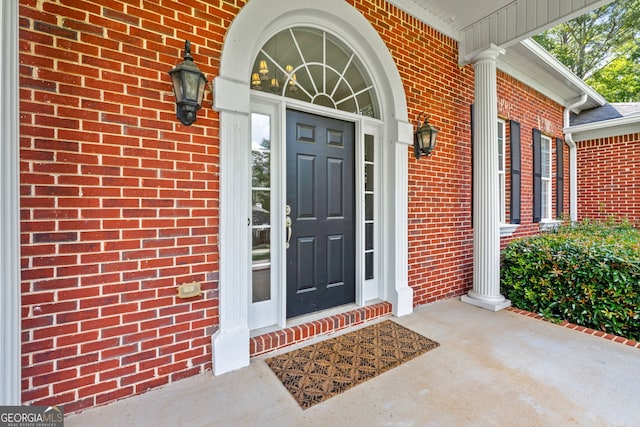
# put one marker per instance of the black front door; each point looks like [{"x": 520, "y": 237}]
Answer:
[{"x": 320, "y": 187}]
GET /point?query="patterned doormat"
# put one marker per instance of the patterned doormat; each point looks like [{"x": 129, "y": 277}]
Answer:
[{"x": 315, "y": 373}]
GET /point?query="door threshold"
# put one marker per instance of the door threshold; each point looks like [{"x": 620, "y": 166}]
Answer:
[
  {"x": 304, "y": 318},
  {"x": 305, "y": 327}
]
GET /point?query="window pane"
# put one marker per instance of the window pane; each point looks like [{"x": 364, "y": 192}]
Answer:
[
  {"x": 261, "y": 257},
  {"x": 368, "y": 207},
  {"x": 544, "y": 201},
  {"x": 325, "y": 71},
  {"x": 368, "y": 232},
  {"x": 368, "y": 148},
  {"x": 501, "y": 146},
  {"x": 367, "y": 104},
  {"x": 368, "y": 177},
  {"x": 261, "y": 169},
  {"x": 368, "y": 266},
  {"x": 261, "y": 207},
  {"x": 501, "y": 170},
  {"x": 260, "y": 132},
  {"x": 501, "y": 185},
  {"x": 546, "y": 157}
]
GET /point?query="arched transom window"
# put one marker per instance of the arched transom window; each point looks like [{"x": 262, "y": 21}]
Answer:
[{"x": 310, "y": 65}]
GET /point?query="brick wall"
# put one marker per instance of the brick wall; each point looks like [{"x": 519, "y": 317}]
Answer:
[
  {"x": 532, "y": 110},
  {"x": 440, "y": 237},
  {"x": 120, "y": 201},
  {"x": 609, "y": 178}
]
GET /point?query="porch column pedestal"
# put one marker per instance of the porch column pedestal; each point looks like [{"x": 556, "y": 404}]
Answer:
[
  {"x": 10, "y": 315},
  {"x": 486, "y": 225},
  {"x": 230, "y": 343}
]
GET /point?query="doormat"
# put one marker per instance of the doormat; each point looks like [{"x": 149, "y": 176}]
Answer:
[{"x": 315, "y": 373}]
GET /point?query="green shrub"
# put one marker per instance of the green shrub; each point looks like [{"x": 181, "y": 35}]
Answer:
[{"x": 588, "y": 274}]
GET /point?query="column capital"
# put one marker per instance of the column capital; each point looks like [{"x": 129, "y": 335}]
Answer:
[{"x": 490, "y": 52}]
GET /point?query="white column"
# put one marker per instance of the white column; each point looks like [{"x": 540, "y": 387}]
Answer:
[
  {"x": 9, "y": 208},
  {"x": 398, "y": 291},
  {"x": 486, "y": 229},
  {"x": 230, "y": 344}
]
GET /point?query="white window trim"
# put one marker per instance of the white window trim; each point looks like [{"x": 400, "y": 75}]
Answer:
[
  {"x": 548, "y": 225},
  {"x": 506, "y": 229},
  {"x": 502, "y": 170}
]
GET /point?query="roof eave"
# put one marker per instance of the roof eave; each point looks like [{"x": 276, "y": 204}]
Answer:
[
  {"x": 564, "y": 73},
  {"x": 604, "y": 129}
]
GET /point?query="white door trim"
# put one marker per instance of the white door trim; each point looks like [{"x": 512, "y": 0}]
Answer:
[{"x": 254, "y": 25}]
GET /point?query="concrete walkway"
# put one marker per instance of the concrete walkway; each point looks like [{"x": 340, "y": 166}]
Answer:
[{"x": 491, "y": 369}]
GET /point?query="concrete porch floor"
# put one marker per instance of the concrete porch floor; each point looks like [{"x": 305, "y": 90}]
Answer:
[{"x": 491, "y": 369}]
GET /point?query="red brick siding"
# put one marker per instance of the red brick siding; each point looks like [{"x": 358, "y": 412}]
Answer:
[
  {"x": 271, "y": 341},
  {"x": 120, "y": 201},
  {"x": 532, "y": 110},
  {"x": 440, "y": 235},
  {"x": 609, "y": 178}
]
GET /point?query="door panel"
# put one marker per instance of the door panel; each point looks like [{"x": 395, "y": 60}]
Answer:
[
  {"x": 335, "y": 188},
  {"x": 335, "y": 256},
  {"x": 305, "y": 270},
  {"x": 306, "y": 188},
  {"x": 320, "y": 192}
]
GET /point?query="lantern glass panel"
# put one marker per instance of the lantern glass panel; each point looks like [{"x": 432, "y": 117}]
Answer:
[
  {"x": 177, "y": 86},
  {"x": 191, "y": 86}
]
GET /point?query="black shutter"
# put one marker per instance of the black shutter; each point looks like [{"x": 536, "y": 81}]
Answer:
[
  {"x": 559, "y": 177},
  {"x": 471, "y": 168},
  {"x": 515, "y": 167},
  {"x": 537, "y": 175}
]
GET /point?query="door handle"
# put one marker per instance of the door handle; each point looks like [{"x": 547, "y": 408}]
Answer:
[{"x": 288, "y": 222}]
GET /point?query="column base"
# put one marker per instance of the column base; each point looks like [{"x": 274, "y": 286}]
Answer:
[
  {"x": 488, "y": 303},
  {"x": 230, "y": 350}
]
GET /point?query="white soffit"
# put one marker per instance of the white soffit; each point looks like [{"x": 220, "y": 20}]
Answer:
[
  {"x": 528, "y": 62},
  {"x": 481, "y": 23}
]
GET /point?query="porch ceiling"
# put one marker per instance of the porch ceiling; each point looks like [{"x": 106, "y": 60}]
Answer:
[
  {"x": 509, "y": 24},
  {"x": 478, "y": 24}
]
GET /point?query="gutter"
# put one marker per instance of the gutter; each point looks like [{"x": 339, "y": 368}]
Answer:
[{"x": 573, "y": 159}]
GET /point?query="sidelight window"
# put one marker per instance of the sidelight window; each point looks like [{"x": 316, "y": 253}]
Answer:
[
  {"x": 261, "y": 206},
  {"x": 369, "y": 206}
]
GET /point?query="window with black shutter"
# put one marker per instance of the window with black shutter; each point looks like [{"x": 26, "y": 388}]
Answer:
[
  {"x": 559, "y": 177},
  {"x": 514, "y": 132},
  {"x": 537, "y": 175}
]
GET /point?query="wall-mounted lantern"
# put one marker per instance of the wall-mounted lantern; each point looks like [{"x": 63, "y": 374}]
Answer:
[
  {"x": 424, "y": 138},
  {"x": 188, "y": 86}
]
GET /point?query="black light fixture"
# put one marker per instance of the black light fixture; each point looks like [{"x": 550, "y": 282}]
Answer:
[
  {"x": 188, "y": 86},
  {"x": 424, "y": 138}
]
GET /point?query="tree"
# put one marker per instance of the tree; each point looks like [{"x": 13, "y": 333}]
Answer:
[
  {"x": 598, "y": 44},
  {"x": 619, "y": 81}
]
